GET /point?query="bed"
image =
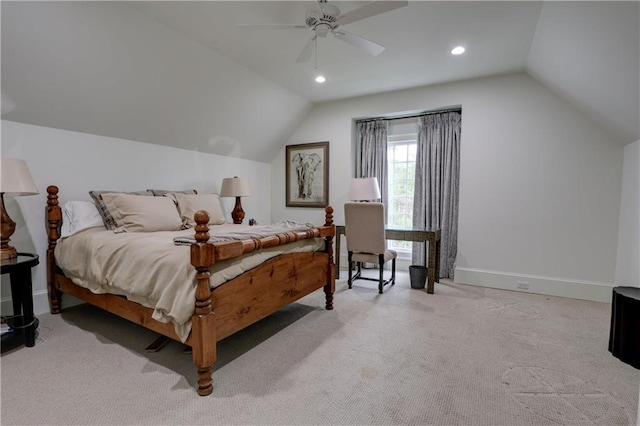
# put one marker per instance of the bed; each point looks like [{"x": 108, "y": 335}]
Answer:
[{"x": 218, "y": 310}]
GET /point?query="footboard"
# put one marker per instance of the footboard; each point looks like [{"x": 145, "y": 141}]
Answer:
[
  {"x": 255, "y": 294},
  {"x": 266, "y": 289}
]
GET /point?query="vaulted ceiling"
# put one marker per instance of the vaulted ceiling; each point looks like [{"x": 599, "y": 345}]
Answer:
[{"x": 185, "y": 74}]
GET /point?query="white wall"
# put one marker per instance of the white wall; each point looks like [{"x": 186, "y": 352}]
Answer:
[
  {"x": 105, "y": 68},
  {"x": 540, "y": 183},
  {"x": 79, "y": 162},
  {"x": 573, "y": 50},
  {"x": 628, "y": 258}
]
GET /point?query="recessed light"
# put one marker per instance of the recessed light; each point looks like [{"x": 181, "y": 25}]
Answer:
[
  {"x": 459, "y": 50},
  {"x": 320, "y": 79}
]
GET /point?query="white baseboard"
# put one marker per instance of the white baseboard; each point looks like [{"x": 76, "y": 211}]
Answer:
[
  {"x": 552, "y": 286},
  {"x": 40, "y": 303},
  {"x": 575, "y": 289}
]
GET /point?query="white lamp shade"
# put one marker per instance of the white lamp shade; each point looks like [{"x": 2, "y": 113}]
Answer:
[
  {"x": 364, "y": 189},
  {"x": 235, "y": 187},
  {"x": 16, "y": 178}
]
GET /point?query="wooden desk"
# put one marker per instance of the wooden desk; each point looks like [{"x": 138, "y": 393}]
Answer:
[{"x": 431, "y": 256}]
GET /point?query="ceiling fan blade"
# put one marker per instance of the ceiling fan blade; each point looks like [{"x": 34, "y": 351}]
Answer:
[
  {"x": 368, "y": 46},
  {"x": 368, "y": 10},
  {"x": 272, "y": 27},
  {"x": 307, "y": 50}
]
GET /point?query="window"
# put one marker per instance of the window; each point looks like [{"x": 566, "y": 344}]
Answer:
[
  {"x": 401, "y": 167},
  {"x": 400, "y": 134}
]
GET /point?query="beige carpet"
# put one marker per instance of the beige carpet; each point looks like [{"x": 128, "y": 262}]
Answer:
[{"x": 465, "y": 355}]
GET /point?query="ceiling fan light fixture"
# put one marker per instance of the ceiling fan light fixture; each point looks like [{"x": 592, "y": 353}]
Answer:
[
  {"x": 458, "y": 50},
  {"x": 320, "y": 78}
]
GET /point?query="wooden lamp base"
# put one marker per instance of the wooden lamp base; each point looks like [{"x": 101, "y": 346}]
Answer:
[
  {"x": 7, "y": 228},
  {"x": 237, "y": 214}
]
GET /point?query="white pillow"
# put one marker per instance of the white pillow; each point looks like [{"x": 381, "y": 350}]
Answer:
[
  {"x": 189, "y": 204},
  {"x": 79, "y": 215},
  {"x": 140, "y": 213}
]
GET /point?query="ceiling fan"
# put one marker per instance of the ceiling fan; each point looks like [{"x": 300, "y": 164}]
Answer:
[{"x": 324, "y": 19}]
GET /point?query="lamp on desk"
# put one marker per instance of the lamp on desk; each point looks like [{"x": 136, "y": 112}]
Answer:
[
  {"x": 236, "y": 187},
  {"x": 364, "y": 189},
  {"x": 15, "y": 180}
]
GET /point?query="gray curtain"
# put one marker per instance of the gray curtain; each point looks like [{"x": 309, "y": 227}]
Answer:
[
  {"x": 371, "y": 153},
  {"x": 435, "y": 202}
]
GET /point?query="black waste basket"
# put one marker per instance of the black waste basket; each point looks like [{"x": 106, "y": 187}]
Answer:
[{"x": 418, "y": 276}]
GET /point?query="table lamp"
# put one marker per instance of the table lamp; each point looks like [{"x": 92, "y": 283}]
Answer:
[
  {"x": 15, "y": 180},
  {"x": 364, "y": 189},
  {"x": 236, "y": 187}
]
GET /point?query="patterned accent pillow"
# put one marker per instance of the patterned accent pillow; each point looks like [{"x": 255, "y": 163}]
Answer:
[
  {"x": 109, "y": 221},
  {"x": 161, "y": 192}
]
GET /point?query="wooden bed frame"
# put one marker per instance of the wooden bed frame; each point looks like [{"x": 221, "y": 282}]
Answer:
[{"x": 229, "y": 307}]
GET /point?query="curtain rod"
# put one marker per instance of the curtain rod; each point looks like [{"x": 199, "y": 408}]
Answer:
[{"x": 418, "y": 114}]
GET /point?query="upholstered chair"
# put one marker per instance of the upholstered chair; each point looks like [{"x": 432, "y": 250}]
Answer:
[{"x": 364, "y": 225}]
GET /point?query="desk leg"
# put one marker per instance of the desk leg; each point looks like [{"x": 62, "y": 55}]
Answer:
[
  {"x": 337, "y": 259},
  {"x": 437, "y": 255},
  {"x": 432, "y": 272}
]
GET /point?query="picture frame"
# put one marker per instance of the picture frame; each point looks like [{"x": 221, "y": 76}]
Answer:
[{"x": 307, "y": 175}]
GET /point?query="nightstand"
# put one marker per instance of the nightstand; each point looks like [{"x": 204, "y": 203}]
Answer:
[{"x": 22, "y": 320}]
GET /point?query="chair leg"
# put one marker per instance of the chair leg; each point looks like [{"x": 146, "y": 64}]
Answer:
[
  {"x": 381, "y": 267},
  {"x": 350, "y": 263},
  {"x": 393, "y": 271}
]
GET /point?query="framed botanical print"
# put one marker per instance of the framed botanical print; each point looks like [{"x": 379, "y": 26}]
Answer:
[{"x": 307, "y": 167}]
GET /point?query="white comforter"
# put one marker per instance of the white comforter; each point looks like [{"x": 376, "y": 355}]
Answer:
[{"x": 148, "y": 268}]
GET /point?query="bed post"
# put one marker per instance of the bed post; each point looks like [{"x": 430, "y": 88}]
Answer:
[
  {"x": 54, "y": 221},
  {"x": 203, "y": 330},
  {"x": 330, "y": 287}
]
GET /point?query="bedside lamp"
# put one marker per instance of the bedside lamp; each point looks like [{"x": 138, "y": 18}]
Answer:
[
  {"x": 364, "y": 189},
  {"x": 236, "y": 187},
  {"x": 15, "y": 180}
]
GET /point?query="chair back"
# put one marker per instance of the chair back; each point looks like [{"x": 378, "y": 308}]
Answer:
[{"x": 364, "y": 225}]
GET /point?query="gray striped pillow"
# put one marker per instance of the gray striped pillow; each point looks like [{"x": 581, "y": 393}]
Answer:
[{"x": 109, "y": 221}]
